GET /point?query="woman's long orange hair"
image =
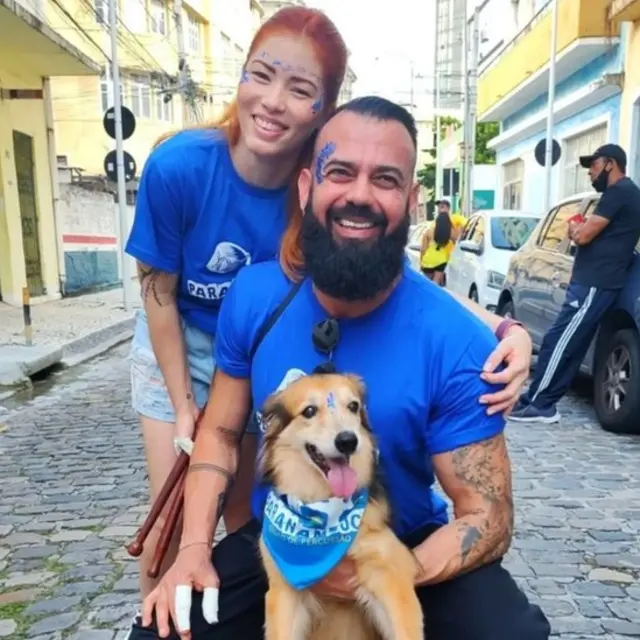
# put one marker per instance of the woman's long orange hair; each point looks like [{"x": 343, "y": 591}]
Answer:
[{"x": 332, "y": 55}]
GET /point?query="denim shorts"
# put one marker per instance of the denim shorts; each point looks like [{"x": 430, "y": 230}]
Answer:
[{"x": 150, "y": 397}]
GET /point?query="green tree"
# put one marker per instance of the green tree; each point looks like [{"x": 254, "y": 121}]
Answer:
[{"x": 485, "y": 131}]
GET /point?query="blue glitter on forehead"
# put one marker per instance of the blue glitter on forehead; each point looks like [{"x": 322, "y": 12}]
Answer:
[
  {"x": 323, "y": 155},
  {"x": 244, "y": 77},
  {"x": 331, "y": 401}
]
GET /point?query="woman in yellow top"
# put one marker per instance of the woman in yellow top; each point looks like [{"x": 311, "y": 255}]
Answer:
[{"x": 439, "y": 241}]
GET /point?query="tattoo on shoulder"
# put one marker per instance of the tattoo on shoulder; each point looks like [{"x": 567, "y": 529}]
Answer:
[{"x": 156, "y": 284}]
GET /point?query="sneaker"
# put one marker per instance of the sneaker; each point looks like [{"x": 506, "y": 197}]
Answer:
[{"x": 531, "y": 413}]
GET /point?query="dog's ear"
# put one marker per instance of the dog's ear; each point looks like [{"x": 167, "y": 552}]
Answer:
[
  {"x": 358, "y": 385},
  {"x": 275, "y": 415}
]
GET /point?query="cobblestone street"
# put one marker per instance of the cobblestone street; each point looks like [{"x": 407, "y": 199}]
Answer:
[{"x": 73, "y": 491}]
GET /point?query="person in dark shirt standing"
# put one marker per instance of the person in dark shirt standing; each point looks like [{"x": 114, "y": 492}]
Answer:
[{"x": 606, "y": 242}]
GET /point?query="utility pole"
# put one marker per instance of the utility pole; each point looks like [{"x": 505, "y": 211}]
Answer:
[
  {"x": 127, "y": 284},
  {"x": 183, "y": 68},
  {"x": 551, "y": 100},
  {"x": 471, "y": 84}
]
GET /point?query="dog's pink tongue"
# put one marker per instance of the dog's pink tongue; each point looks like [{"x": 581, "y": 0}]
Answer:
[{"x": 342, "y": 479}]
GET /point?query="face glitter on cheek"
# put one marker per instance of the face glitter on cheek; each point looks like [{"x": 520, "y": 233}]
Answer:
[
  {"x": 316, "y": 107},
  {"x": 323, "y": 155}
]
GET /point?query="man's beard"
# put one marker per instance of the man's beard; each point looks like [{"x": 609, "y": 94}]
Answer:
[{"x": 352, "y": 269}]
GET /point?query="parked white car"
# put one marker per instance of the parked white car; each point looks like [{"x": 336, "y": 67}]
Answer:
[
  {"x": 480, "y": 261},
  {"x": 412, "y": 250}
]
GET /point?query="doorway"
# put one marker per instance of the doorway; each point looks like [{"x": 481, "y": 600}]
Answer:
[{"x": 25, "y": 174}]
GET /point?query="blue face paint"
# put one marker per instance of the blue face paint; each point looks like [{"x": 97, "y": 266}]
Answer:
[
  {"x": 331, "y": 401},
  {"x": 323, "y": 155},
  {"x": 244, "y": 77},
  {"x": 276, "y": 63},
  {"x": 316, "y": 107}
]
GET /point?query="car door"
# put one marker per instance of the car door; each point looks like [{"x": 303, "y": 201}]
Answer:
[
  {"x": 456, "y": 266},
  {"x": 530, "y": 281},
  {"x": 558, "y": 262}
]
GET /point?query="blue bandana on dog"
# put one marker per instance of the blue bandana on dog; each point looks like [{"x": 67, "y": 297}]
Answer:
[{"x": 307, "y": 541}]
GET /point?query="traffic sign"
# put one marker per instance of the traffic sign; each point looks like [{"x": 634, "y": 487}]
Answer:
[
  {"x": 128, "y": 122},
  {"x": 541, "y": 149},
  {"x": 111, "y": 168}
]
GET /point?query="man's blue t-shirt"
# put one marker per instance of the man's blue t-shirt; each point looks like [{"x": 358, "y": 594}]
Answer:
[
  {"x": 195, "y": 216},
  {"x": 420, "y": 355}
]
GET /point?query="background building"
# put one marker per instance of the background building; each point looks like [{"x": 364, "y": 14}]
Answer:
[{"x": 512, "y": 90}]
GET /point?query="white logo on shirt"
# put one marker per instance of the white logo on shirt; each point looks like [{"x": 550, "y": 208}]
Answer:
[
  {"x": 291, "y": 376},
  {"x": 228, "y": 257}
]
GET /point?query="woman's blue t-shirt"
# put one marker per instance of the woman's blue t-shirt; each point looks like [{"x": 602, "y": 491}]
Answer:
[
  {"x": 196, "y": 217},
  {"x": 420, "y": 355}
]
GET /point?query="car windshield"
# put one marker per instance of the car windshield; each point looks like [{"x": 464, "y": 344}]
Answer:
[{"x": 511, "y": 232}]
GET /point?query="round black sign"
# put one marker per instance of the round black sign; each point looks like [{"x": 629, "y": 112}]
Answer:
[
  {"x": 111, "y": 168},
  {"x": 128, "y": 122},
  {"x": 541, "y": 149}
]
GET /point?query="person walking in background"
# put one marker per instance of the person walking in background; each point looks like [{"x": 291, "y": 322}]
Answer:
[
  {"x": 606, "y": 243},
  {"x": 439, "y": 241}
]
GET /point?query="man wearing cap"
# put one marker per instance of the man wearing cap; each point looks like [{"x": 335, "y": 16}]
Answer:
[{"x": 606, "y": 242}]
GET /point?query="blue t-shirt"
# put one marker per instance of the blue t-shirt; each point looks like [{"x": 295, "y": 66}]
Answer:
[
  {"x": 420, "y": 355},
  {"x": 196, "y": 217}
]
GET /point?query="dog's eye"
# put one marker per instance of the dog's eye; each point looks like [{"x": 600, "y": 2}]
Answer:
[
  {"x": 353, "y": 406},
  {"x": 310, "y": 411}
]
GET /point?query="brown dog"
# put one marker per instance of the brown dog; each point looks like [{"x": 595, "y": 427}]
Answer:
[{"x": 319, "y": 455}]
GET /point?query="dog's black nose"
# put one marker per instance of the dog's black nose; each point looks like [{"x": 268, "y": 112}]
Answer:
[{"x": 346, "y": 442}]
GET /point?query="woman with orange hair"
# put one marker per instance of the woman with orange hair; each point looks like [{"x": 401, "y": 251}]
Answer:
[{"x": 210, "y": 201}]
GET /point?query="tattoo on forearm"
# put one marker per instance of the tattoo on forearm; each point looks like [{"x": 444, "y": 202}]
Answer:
[
  {"x": 207, "y": 466},
  {"x": 485, "y": 533},
  {"x": 153, "y": 284}
]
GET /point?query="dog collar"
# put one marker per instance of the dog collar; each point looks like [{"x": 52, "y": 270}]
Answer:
[{"x": 308, "y": 540}]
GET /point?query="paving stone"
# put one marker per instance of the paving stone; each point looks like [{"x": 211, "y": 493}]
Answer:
[
  {"x": 7, "y": 627},
  {"x": 75, "y": 472}
]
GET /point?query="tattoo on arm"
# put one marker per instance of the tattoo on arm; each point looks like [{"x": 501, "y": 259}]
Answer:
[
  {"x": 485, "y": 533},
  {"x": 233, "y": 437},
  {"x": 157, "y": 285}
]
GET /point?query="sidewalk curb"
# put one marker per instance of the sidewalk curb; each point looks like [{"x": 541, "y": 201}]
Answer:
[
  {"x": 96, "y": 343},
  {"x": 72, "y": 353}
]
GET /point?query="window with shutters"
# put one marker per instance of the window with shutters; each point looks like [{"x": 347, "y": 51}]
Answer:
[
  {"x": 575, "y": 178},
  {"x": 512, "y": 179}
]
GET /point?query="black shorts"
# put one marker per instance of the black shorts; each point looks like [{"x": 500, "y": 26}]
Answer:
[
  {"x": 485, "y": 604},
  {"x": 440, "y": 269}
]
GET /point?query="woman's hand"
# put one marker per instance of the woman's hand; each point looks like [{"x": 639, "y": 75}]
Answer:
[
  {"x": 184, "y": 427},
  {"x": 172, "y": 597},
  {"x": 340, "y": 583},
  {"x": 514, "y": 351}
]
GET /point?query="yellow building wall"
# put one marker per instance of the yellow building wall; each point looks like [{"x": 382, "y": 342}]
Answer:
[
  {"x": 79, "y": 131},
  {"x": 631, "y": 91},
  {"x": 26, "y": 116}
]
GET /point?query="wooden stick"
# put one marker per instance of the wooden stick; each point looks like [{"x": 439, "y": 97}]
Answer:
[
  {"x": 175, "y": 478},
  {"x": 177, "y": 473},
  {"x": 173, "y": 515}
]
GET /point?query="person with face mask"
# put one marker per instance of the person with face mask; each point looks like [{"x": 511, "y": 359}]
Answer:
[
  {"x": 605, "y": 242},
  {"x": 353, "y": 305}
]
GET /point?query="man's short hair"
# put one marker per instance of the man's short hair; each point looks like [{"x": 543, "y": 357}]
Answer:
[{"x": 381, "y": 109}]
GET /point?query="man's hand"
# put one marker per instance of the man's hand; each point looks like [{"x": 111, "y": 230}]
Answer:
[
  {"x": 340, "y": 583},
  {"x": 192, "y": 570},
  {"x": 515, "y": 352}
]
